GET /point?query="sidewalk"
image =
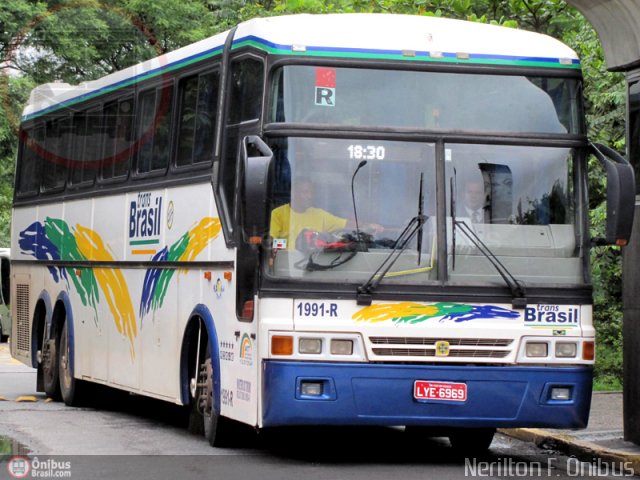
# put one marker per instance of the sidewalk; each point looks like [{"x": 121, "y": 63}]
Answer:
[{"x": 603, "y": 438}]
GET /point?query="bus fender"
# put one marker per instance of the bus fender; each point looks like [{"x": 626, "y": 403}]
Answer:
[{"x": 203, "y": 312}]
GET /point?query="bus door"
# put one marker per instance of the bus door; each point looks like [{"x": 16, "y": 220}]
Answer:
[{"x": 238, "y": 337}]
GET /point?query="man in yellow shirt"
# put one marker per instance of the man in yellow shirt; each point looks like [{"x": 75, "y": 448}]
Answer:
[{"x": 287, "y": 221}]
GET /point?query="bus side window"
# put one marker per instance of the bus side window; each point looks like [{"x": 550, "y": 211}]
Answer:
[
  {"x": 56, "y": 156},
  {"x": 117, "y": 136},
  {"x": 29, "y": 176},
  {"x": 246, "y": 90},
  {"x": 153, "y": 129},
  {"x": 85, "y": 147},
  {"x": 197, "y": 118}
]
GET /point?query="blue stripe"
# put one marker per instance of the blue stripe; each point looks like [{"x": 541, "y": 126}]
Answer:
[
  {"x": 252, "y": 38},
  {"x": 419, "y": 53}
]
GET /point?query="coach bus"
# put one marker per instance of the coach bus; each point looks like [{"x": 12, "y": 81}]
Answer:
[{"x": 360, "y": 219}]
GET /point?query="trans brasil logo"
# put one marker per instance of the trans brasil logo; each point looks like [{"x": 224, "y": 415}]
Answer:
[{"x": 145, "y": 215}]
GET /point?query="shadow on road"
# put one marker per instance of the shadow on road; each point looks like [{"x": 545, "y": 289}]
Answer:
[{"x": 333, "y": 445}]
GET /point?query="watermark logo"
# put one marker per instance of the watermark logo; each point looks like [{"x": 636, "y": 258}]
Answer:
[
  {"x": 19, "y": 467},
  {"x": 547, "y": 467}
]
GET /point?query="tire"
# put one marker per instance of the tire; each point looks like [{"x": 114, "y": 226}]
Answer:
[
  {"x": 71, "y": 389},
  {"x": 471, "y": 441},
  {"x": 220, "y": 431},
  {"x": 50, "y": 370},
  {"x": 3, "y": 337},
  {"x": 193, "y": 412}
]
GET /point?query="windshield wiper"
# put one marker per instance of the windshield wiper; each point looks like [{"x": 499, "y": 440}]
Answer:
[
  {"x": 518, "y": 290},
  {"x": 414, "y": 227},
  {"x": 420, "y": 214}
]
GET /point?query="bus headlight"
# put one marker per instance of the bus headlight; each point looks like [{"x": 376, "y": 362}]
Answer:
[
  {"x": 537, "y": 349},
  {"x": 566, "y": 350},
  {"x": 341, "y": 346},
  {"x": 310, "y": 345}
]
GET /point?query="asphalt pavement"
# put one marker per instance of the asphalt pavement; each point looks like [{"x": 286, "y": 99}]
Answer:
[{"x": 602, "y": 439}]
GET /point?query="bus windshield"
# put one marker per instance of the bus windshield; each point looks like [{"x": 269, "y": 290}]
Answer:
[
  {"x": 427, "y": 100},
  {"x": 519, "y": 201}
]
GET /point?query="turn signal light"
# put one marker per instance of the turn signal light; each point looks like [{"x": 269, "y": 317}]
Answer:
[
  {"x": 281, "y": 345},
  {"x": 588, "y": 350}
]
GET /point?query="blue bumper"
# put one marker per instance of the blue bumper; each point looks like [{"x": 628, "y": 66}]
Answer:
[{"x": 366, "y": 394}]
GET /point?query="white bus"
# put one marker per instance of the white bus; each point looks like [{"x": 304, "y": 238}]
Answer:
[{"x": 319, "y": 220}]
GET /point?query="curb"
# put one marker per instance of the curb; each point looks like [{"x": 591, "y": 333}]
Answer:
[{"x": 571, "y": 445}]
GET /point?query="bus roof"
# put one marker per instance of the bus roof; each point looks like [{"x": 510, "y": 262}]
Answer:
[{"x": 356, "y": 36}]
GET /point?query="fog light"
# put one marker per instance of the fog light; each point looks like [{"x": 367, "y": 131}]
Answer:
[
  {"x": 311, "y": 389},
  {"x": 341, "y": 347},
  {"x": 310, "y": 345},
  {"x": 566, "y": 350},
  {"x": 561, "y": 393},
  {"x": 537, "y": 349}
]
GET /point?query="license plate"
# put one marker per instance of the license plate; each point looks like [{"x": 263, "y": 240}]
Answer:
[{"x": 446, "y": 391}]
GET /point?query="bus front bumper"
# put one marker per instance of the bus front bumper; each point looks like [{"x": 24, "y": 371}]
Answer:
[{"x": 306, "y": 393}]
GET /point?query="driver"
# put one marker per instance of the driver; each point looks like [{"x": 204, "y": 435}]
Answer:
[{"x": 288, "y": 220}]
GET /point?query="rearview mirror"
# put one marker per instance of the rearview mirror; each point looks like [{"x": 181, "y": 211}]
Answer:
[
  {"x": 256, "y": 158},
  {"x": 620, "y": 195}
]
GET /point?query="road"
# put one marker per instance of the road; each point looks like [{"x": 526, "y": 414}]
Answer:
[{"x": 124, "y": 436}]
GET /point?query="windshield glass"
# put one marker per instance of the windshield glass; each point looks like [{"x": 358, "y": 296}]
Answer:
[
  {"x": 519, "y": 201},
  {"x": 313, "y": 223},
  {"x": 426, "y": 100}
]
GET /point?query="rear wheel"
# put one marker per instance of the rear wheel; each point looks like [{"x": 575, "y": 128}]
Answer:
[
  {"x": 71, "y": 389},
  {"x": 50, "y": 369}
]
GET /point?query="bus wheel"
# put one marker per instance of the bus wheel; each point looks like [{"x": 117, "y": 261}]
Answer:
[
  {"x": 50, "y": 369},
  {"x": 218, "y": 430},
  {"x": 70, "y": 388},
  {"x": 3, "y": 337},
  {"x": 471, "y": 440}
]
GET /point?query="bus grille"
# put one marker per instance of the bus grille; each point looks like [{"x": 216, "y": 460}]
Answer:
[
  {"x": 425, "y": 347},
  {"x": 22, "y": 321}
]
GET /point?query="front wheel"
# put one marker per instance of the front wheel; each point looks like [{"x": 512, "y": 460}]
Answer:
[{"x": 472, "y": 440}]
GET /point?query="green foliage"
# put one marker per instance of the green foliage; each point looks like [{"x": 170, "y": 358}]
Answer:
[
  {"x": 608, "y": 368},
  {"x": 77, "y": 40}
]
